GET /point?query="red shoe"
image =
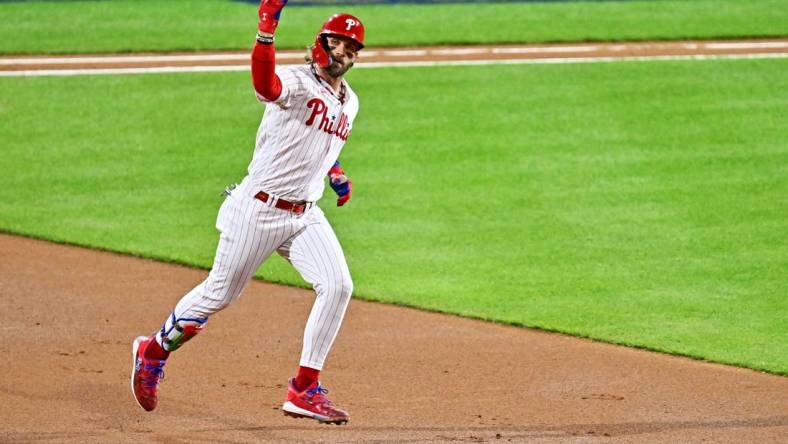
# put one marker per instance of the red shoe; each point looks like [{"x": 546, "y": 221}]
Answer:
[
  {"x": 312, "y": 403},
  {"x": 146, "y": 374}
]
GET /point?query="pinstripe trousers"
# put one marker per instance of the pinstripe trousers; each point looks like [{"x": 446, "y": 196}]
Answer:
[{"x": 251, "y": 230}]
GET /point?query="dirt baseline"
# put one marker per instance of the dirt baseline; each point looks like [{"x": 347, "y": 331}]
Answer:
[
  {"x": 69, "y": 315},
  {"x": 35, "y": 65}
]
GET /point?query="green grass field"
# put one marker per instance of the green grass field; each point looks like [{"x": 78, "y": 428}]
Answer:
[
  {"x": 151, "y": 25},
  {"x": 641, "y": 203}
]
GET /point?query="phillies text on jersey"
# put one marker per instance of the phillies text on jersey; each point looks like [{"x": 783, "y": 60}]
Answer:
[{"x": 300, "y": 136}]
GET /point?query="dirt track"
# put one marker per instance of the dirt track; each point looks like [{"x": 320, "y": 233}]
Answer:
[
  {"x": 68, "y": 316},
  {"x": 31, "y": 65}
]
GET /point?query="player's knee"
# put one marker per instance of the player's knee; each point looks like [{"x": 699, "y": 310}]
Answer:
[
  {"x": 347, "y": 286},
  {"x": 221, "y": 290},
  {"x": 341, "y": 286},
  {"x": 219, "y": 301}
]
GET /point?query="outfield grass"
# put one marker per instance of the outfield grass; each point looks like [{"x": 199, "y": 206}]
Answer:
[
  {"x": 152, "y": 25},
  {"x": 641, "y": 203}
]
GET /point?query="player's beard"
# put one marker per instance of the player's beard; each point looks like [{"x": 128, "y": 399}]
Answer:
[{"x": 337, "y": 70}]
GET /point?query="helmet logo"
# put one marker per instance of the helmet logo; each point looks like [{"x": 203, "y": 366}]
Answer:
[{"x": 350, "y": 23}]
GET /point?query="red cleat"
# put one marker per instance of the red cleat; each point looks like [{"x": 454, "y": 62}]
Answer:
[
  {"x": 146, "y": 374},
  {"x": 312, "y": 403}
]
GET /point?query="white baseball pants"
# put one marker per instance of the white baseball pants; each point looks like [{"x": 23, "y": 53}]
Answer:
[{"x": 250, "y": 231}]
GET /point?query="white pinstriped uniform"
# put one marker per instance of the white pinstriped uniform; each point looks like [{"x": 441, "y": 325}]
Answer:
[
  {"x": 291, "y": 159},
  {"x": 299, "y": 139}
]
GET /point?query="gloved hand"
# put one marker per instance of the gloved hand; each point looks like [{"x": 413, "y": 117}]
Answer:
[
  {"x": 340, "y": 184},
  {"x": 269, "y": 12}
]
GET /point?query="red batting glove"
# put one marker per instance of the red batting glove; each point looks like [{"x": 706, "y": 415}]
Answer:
[
  {"x": 340, "y": 184},
  {"x": 269, "y": 13},
  {"x": 345, "y": 197}
]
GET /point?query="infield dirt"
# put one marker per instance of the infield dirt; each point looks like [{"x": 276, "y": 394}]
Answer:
[{"x": 68, "y": 316}]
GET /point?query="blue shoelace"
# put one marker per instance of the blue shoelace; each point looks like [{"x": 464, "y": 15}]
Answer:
[
  {"x": 153, "y": 374},
  {"x": 318, "y": 389}
]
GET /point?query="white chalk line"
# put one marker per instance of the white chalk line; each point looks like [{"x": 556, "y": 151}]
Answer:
[
  {"x": 137, "y": 59},
  {"x": 400, "y": 53},
  {"x": 545, "y": 49},
  {"x": 104, "y": 71},
  {"x": 293, "y": 55},
  {"x": 567, "y": 60},
  {"x": 245, "y": 67},
  {"x": 747, "y": 45}
]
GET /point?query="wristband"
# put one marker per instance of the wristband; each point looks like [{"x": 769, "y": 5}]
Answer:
[{"x": 264, "y": 39}]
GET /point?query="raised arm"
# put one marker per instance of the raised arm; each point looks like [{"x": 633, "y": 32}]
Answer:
[{"x": 266, "y": 83}]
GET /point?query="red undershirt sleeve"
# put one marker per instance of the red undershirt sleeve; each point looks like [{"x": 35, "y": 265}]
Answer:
[{"x": 266, "y": 82}]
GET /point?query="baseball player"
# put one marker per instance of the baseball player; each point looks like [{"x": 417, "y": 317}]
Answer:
[{"x": 309, "y": 115}]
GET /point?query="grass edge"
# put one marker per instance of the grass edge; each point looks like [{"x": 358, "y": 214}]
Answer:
[{"x": 373, "y": 299}]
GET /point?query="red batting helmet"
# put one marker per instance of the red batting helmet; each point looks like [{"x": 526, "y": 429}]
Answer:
[{"x": 338, "y": 24}]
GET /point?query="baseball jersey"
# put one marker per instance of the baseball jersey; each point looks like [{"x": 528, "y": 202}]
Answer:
[{"x": 301, "y": 135}]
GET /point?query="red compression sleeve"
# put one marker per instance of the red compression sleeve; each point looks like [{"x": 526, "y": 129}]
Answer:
[{"x": 264, "y": 78}]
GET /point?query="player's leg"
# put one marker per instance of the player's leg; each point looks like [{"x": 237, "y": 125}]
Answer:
[
  {"x": 317, "y": 255},
  {"x": 250, "y": 232}
]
